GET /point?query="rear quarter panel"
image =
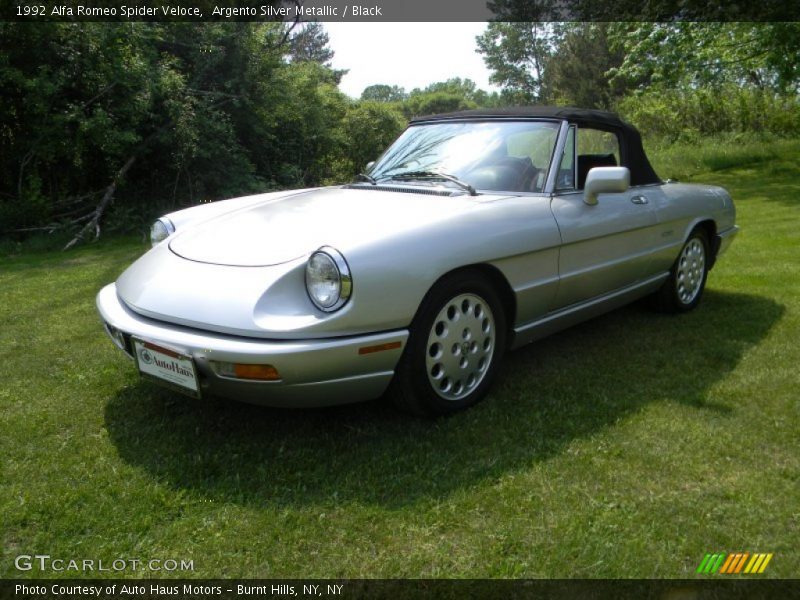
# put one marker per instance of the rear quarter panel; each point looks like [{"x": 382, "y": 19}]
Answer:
[{"x": 680, "y": 208}]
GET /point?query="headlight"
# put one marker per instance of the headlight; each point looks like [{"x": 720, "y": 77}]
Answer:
[
  {"x": 161, "y": 230},
  {"x": 328, "y": 279}
]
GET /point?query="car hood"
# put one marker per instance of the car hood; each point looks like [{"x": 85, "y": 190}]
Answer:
[{"x": 281, "y": 230}]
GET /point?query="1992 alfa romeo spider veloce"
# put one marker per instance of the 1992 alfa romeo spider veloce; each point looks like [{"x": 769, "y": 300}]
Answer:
[{"x": 474, "y": 233}]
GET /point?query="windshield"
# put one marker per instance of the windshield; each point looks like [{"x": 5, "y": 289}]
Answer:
[{"x": 510, "y": 156}]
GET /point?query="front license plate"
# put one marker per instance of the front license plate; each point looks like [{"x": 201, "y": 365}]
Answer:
[{"x": 167, "y": 367}]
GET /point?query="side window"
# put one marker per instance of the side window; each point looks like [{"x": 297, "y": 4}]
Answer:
[
  {"x": 596, "y": 148},
  {"x": 535, "y": 145},
  {"x": 566, "y": 170},
  {"x": 527, "y": 152}
]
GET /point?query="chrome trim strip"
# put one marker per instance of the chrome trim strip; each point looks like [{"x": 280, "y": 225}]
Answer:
[
  {"x": 168, "y": 224},
  {"x": 575, "y": 313},
  {"x": 345, "y": 279}
]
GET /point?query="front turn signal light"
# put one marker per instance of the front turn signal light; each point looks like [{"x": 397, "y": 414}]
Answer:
[{"x": 246, "y": 371}]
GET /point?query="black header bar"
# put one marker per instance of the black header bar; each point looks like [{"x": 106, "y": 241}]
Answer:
[
  {"x": 397, "y": 10},
  {"x": 332, "y": 589}
]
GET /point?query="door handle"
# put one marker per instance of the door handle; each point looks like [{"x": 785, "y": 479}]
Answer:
[{"x": 639, "y": 199}]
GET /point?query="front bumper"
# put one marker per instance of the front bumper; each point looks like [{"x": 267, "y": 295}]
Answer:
[{"x": 317, "y": 372}]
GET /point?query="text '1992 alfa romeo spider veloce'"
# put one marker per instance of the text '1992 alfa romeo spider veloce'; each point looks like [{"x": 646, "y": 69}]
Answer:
[{"x": 474, "y": 233}]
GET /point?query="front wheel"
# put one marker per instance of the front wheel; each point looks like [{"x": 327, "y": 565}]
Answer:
[
  {"x": 456, "y": 343},
  {"x": 683, "y": 289}
]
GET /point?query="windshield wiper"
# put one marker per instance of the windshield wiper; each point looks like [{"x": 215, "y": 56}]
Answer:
[
  {"x": 367, "y": 178},
  {"x": 435, "y": 175}
]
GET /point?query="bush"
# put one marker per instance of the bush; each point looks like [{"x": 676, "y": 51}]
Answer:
[
  {"x": 685, "y": 115},
  {"x": 368, "y": 128},
  {"x": 683, "y": 160}
]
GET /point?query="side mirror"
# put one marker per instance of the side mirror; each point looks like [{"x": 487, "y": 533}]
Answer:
[
  {"x": 604, "y": 180},
  {"x": 369, "y": 166}
]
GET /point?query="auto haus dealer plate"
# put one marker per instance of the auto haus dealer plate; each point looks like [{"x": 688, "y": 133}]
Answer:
[{"x": 166, "y": 367}]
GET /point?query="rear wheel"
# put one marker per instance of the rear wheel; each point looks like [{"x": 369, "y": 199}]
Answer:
[
  {"x": 683, "y": 289},
  {"x": 456, "y": 343}
]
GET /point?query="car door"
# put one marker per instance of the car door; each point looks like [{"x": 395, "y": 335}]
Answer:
[{"x": 606, "y": 246}]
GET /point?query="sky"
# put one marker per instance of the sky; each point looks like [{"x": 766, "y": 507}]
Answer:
[{"x": 409, "y": 55}]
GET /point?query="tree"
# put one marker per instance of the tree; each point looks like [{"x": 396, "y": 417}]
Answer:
[
  {"x": 383, "y": 93},
  {"x": 74, "y": 100},
  {"x": 133, "y": 119},
  {"x": 310, "y": 42},
  {"x": 700, "y": 79},
  {"x": 300, "y": 125},
  {"x": 518, "y": 54},
  {"x": 687, "y": 54},
  {"x": 429, "y": 103},
  {"x": 578, "y": 74},
  {"x": 466, "y": 88},
  {"x": 368, "y": 127}
]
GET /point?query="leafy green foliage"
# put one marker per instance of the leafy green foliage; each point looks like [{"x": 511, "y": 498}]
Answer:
[
  {"x": 577, "y": 74},
  {"x": 205, "y": 111},
  {"x": 673, "y": 80},
  {"x": 517, "y": 54},
  {"x": 310, "y": 43},
  {"x": 447, "y": 96},
  {"x": 73, "y": 99},
  {"x": 380, "y": 92},
  {"x": 687, "y": 54},
  {"x": 690, "y": 114},
  {"x": 430, "y": 103},
  {"x": 298, "y": 125},
  {"x": 368, "y": 128}
]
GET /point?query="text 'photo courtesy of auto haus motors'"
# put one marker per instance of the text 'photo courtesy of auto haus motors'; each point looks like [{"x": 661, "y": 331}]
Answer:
[{"x": 474, "y": 233}]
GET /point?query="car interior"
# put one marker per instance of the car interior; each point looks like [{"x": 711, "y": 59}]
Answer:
[
  {"x": 590, "y": 161},
  {"x": 508, "y": 173}
]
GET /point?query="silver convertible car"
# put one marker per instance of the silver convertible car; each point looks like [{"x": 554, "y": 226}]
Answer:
[{"x": 476, "y": 232}]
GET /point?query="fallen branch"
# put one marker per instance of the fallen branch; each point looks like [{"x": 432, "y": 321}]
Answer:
[
  {"x": 97, "y": 214},
  {"x": 52, "y": 226},
  {"x": 48, "y": 228},
  {"x": 73, "y": 200}
]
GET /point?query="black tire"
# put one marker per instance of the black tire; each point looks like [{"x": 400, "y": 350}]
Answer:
[
  {"x": 432, "y": 379},
  {"x": 684, "y": 287}
]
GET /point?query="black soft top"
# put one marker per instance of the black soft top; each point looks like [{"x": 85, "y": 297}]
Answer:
[{"x": 631, "y": 149}]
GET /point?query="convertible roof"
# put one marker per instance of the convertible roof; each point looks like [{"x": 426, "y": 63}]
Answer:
[
  {"x": 549, "y": 112},
  {"x": 633, "y": 155}
]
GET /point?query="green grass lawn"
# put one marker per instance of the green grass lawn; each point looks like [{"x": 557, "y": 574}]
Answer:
[{"x": 628, "y": 446}]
